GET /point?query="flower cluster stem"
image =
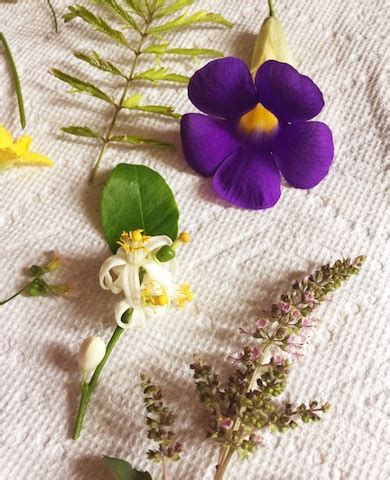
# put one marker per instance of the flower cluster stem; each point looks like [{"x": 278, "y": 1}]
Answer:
[
  {"x": 15, "y": 78},
  {"x": 165, "y": 470},
  {"x": 271, "y": 8},
  {"x": 3, "y": 302},
  {"x": 54, "y": 15},
  {"x": 87, "y": 388},
  {"x": 227, "y": 452},
  {"x": 118, "y": 107}
]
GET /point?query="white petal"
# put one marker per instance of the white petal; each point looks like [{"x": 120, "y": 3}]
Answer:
[
  {"x": 155, "y": 312},
  {"x": 157, "y": 242},
  {"x": 119, "y": 309},
  {"x": 158, "y": 273},
  {"x": 138, "y": 318},
  {"x": 172, "y": 266},
  {"x": 131, "y": 285},
  {"x": 105, "y": 278}
]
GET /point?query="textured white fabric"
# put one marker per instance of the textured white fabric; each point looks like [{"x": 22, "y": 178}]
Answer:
[{"x": 238, "y": 261}]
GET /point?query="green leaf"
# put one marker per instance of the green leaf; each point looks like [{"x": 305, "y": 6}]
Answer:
[
  {"x": 123, "y": 470},
  {"x": 163, "y": 49},
  {"x": 174, "y": 7},
  {"x": 136, "y": 7},
  {"x": 132, "y": 101},
  {"x": 186, "y": 20},
  {"x": 134, "y": 197},
  {"x": 195, "y": 52},
  {"x": 98, "y": 23},
  {"x": 95, "y": 60},
  {"x": 140, "y": 141},
  {"x": 80, "y": 131},
  {"x": 80, "y": 86},
  {"x": 161, "y": 74},
  {"x": 123, "y": 14},
  {"x": 157, "y": 109}
]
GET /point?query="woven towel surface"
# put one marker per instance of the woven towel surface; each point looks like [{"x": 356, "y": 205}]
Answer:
[{"x": 238, "y": 262}]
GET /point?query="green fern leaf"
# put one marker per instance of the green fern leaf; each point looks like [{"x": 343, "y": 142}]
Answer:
[
  {"x": 186, "y": 20},
  {"x": 114, "y": 6},
  {"x": 136, "y": 7},
  {"x": 95, "y": 60},
  {"x": 157, "y": 109},
  {"x": 161, "y": 74},
  {"x": 140, "y": 141},
  {"x": 174, "y": 7},
  {"x": 80, "y": 131},
  {"x": 162, "y": 49},
  {"x": 80, "y": 86},
  {"x": 98, "y": 23},
  {"x": 132, "y": 101}
]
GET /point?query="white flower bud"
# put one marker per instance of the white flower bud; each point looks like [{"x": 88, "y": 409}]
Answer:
[
  {"x": 271, "y": 44},
  {"x": 91, "y": 353}
]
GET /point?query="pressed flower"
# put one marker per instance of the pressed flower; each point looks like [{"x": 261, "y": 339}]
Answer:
[
  {"x": 18, "y": 153},
  {"x": 255, "y": 130},
  {"x": 147, "y": 284}
]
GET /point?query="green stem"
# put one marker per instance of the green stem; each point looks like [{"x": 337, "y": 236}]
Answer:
[
  {"x": 165, "y": 469},
  {"x": 271, "y": 8},
  {"x": 15, "y": 78},
  {"x": 17, "y": 293},
  {"x": 227, "y": 452},
  {"x": 221, "y": 468},
  {"x": 54, "y": 15},
  {"x": 87, "y": 389},
  {"x": 118, "y": 107}
]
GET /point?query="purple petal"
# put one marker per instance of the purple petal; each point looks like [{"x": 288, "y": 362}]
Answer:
[
  {"x": 223, "y": 88},
  {"x": 304, "y": 152},
  {"x": 249, "y": 178},
  {"x": 290, "y": 96},
  {"x": 206, "y": 142}
]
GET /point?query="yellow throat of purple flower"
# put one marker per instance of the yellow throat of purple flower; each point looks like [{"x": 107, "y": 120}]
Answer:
[{"x": 259, "y": 121}]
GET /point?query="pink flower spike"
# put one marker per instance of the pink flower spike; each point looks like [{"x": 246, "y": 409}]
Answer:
[
  {"x": 226, "y": 423},
  {"x": 236, "y": 357},
  {"x": 262, "y": 323},
  {"x": 278, "y": 360},
  {"x": 285, "y": 307},
  {"x": 256, "y": 438},
  {"x": 309, "y": 297},
  {"x": 255, "y": 354}
]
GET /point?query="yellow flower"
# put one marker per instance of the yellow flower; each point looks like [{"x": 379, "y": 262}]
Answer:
[{"x": 18, "y": 153}]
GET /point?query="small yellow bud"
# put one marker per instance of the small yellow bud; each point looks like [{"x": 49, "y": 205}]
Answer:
[
  {"x": 91, "y": 353},
  {"x": 185, "y": 237},
  {"x": 271, "y": 44},
  {"x": 54, "y": 264},
  {"x": 136, "y": 235}
]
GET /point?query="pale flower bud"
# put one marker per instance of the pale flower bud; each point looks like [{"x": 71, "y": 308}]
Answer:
[
  {"x": 91, "y": 353},
  {"x": 271, "y": 44}
]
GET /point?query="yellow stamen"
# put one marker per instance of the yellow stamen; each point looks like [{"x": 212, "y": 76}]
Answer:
[
  {"x": 132, "y": 241},
  {"x": 136, "y": 235},
  {"x": 185, "y": 237},
  {"x": 184, "y": 296},
  {"x": 259, "y": 120},
  {"x": 161, "y": 300}
]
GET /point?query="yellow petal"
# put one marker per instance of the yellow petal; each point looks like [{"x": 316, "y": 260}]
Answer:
[
  {"x": 5, "y": 138},
  {"x": 30, "y": 158},
  {"x": 22, "y": 145},
  {"x": 7, "y": 158}
]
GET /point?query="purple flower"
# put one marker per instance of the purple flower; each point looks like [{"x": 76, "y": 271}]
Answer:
[{"x": 254, "y": 131}]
